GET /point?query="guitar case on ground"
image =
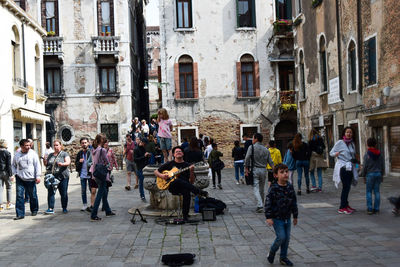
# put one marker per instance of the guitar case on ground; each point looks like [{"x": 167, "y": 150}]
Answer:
[
  {"x": 178, "y": 259},
  {"x": 210, "y": 202}
]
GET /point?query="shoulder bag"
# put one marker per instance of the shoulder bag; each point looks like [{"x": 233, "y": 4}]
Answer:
[
  {"x": 100, "y": 170},
  {"x": 250, "y": 177}
]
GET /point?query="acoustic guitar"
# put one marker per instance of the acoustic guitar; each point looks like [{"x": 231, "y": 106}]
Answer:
[{"x": 163, "y": 184}]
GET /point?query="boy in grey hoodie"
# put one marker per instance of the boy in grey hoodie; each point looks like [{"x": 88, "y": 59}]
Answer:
[{"x": 373, "y": 170}]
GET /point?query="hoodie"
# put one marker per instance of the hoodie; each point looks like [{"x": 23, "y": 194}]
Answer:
[
  {"x": 275, "y": 155},
  {"x": 373, "y": 162}
]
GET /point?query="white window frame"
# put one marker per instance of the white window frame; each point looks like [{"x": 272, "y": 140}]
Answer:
[
  {"x": 247, "y": 126},
  {"x": 186, "y": 128},
  {"x": 376, "y": 54},
  {"x": 349, "y": 91}
]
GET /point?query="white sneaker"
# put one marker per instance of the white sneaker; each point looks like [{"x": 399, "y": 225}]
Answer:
[
  {"x": 237, "y": 182},
  {"x": 10, "y": 206},
  {"x": 84, "y": 207}
]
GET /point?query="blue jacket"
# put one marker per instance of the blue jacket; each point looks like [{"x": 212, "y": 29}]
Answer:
[{"x": 289, "y": 161}]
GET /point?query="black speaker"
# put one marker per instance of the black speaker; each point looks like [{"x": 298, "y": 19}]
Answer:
[{"x": 209, "y": 214}]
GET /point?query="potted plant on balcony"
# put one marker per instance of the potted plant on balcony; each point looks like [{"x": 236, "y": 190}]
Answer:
[
  {"x": 102, "y": 33},
  {"x": 282, "y": 26},
  {"x": 108, "y": 33},
  {"x": 288, "y": 107},
  {"x": 51, "y": 33}
]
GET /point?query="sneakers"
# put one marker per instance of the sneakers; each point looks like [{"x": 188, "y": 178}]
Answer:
[
  {"x": 214, "y": 187},
  {"x": 241, "y": 180},
  {"x": 1, "y": 207},
  {"x": 136, "y": 186},
  {"x": 344, "y": 211},
  {"x": 128, "y": 187},
  {"x": 49, "y": 211},
  {"x": 319, "y": 190},
  {"x": 110, "y": 214},
  {"x": 89, "y": 209},
  {"x": 370, "y": 212},
  {"x": 95, "y": 219},
  {"x": 219, "y": 186},
  {"x": 375, "y": 211},
  {"x": 271, "y": 257},
  {"x": 203, "y": 193},
  {"x": 351, "y": 209},
  {"x": 260, "y": 210},
  {"x": 34, "y": 213},
  {"x": 84, "y": 207},
  {"x": 299, "y": 192},
  {"x": 308, "y": 190},
  {"x": 395, "y": 212},
  {"x": 143, "y": 199},
  {"x": 314, "y": 189},
  {"x": 10, "y": 206},
  {"x": 237, "y": 182},
  {"x": 18, "y": 218},
  {"x": 65, "y": 211},
  {"x": 286, "y": 261}
]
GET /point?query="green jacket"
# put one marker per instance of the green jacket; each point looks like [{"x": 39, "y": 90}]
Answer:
[{"x": 214, "y": 155}]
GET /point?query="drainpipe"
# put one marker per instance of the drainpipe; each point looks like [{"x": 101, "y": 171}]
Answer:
[
  {"x": 23, "y": 53},
  {"x": 359, "y": 47},
  {"x": 339, "y": 46}
]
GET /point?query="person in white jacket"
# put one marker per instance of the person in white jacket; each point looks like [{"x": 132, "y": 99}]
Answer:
[{"x": 345, "y": 170}]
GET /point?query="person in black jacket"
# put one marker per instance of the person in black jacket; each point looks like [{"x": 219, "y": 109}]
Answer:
[
  {"x": 317, "y": 160},
  {"x": 238, "y": 155},
  {"x": 83, "y": 162},
  {"x": 193, "y": 154},
  {"x": 141, "y": 158},
  {"x": 301, "y": 153},
  {"x": 280, "y": 204},
  {"x": 5, "y": 173}
]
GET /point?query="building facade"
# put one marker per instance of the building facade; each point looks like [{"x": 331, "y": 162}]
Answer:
[
  {"x": 216, "y": 75},
  {"x": 22, "y": 99},
  {"x": 94, "y": 66},
  {"x": 347, "y": 65},
  {"x": 154, "y": 67}
]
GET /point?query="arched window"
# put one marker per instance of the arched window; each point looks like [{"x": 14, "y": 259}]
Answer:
[
  {"x": 186, "y": 81},
  {"x": 302, "y": 76},
  {"x": 16, "y": 55},
  {"x": 37, "y": 67},
  {"x": 323, "y": 67},
  {"x": 248, "y": 76},
  {"x": 351, "y": 67}
]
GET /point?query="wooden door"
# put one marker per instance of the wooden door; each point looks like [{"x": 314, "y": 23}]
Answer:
[{"x": 394, "y": 135}]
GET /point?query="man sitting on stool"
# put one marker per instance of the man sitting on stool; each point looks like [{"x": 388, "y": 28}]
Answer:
[{"x": 184, "y": 183}]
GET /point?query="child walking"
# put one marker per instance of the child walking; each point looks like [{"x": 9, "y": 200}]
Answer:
[
  {"x": 280, "y": 204},
  {"x": 373, "y": 172}
]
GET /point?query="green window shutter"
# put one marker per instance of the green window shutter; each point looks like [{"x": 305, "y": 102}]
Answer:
[
  {"x": 237, "y": 14},
  {"x": 253, "y": 13},
  {"x": 372, "y": 61},
  {"x": 289, "y": 9}
]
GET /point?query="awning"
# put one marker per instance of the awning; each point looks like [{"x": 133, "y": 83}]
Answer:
[
  {"x": 281, "y": 59},
  {"x": 31, "y": 114}
]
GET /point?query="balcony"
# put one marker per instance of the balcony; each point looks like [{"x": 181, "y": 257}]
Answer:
[
  {"x": 283, "y": 28},
  {"x": 20, "y": 86},
  {"x": 110, "y": 97},
  {"x": 287, "y": 100},
  {"x": 53, "y": 46},
  {"x": 105, "y": 45},
  {"x": 40, "y": 96}
]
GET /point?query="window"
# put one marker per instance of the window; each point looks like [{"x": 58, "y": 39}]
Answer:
[
  {"x": 105, "y": 17},
  {"x": 298, "y": 7},
  {"x": 283, "y": 9},
  {"x": 187, "y": 132},
  {"x": 21, "y": 3},
  {"x": 16, "y": 55},
  {"x": 184, "y": 13},
  {"x": 107, "y": 79},
  {"x": 50, "y": 16},
  {"x": 186, "y": 77},
  {"x": 52, "y": 78},
  {"x": 302, "y": 76},
  {"x": 249, "y": 130},
  {"x": 286, "y": 74},
  {"x": 246, "y": 13},
  {"x": 323, "y": 65},
  {"x": 37, "y": 68},
  {"x": 370, "y": 61},
  {"x": 352, "y": 67},
  {"x": 148, "y": 39},
  {"x": 111, "y": 131},
  {"x": 248, "y": 77},
  {"x": 17, "y": 134},
  {"x": 66, "y": 134}
]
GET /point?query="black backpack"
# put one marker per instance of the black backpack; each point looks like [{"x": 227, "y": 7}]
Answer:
[
  {"x": 210, "y": 202},
  {"x": 178, "y": 259}
]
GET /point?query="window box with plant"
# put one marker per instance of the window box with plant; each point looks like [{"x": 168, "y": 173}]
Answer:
[
  {"x": 288, "y": 107},
  {"x": 282, "y": 27},
  {"x": 316, "y": 3},
  {"x": 51, "y": 33}
]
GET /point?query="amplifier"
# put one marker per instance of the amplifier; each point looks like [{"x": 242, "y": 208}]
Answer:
[{"x": 209, "y": 214}]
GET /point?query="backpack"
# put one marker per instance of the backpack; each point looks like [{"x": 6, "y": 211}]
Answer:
[
  {"x": 210, "y": 202},
  {"x": 178, "y": 259}
]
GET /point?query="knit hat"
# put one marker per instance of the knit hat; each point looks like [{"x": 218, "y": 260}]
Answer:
[{"x": 3, "y": 143}]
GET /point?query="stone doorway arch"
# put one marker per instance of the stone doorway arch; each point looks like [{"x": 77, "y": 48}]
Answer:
[{"x": 284, "y": 133}]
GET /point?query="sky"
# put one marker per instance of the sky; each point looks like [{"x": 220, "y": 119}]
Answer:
[{"x": 152, "y": 18}]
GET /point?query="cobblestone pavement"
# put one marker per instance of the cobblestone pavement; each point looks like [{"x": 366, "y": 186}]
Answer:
[{"x": 240, "y": 237}]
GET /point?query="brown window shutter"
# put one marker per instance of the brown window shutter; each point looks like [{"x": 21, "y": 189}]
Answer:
[
  {"x": 195, "y": 80},
  {"x": 43, "y": 9},
  {"x": 57, "y": 17},
  {"x": 176, "y": 77},
  {"x": 257, "y": 77},
  {"x": 239, "y": 78},
  {"x": 112, "y": 17}
]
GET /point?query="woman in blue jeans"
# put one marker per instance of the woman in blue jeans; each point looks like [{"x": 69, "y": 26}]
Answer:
[
  {"x": 301, "y": 153},
  {"x": 238, "y": 155},
  {"x": 100, "y": 157}
]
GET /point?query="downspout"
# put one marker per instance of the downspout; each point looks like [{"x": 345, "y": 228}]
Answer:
[
  {"x": 339, "y": 46},
  {"x": 23, "y": 53},
  {"x": 359, "y": 48}
]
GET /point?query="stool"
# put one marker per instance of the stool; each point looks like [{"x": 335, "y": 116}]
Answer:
[{"x": 177, "y": 211}]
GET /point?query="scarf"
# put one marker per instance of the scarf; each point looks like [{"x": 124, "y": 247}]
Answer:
[
  {"x": 347, "y": 140},
  {"x": 373, "y": 153}
]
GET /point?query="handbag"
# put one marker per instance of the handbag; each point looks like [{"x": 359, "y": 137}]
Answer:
[
  {"x": 250, "y": 176},
  {"x": 218, "y": 165},
  {"x": 100, "y": 170}
]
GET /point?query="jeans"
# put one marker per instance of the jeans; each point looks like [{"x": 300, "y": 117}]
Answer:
[
  {"x": 346, "y": 177},
  {"x": 291, "y": 174},
  {"x": 373, "y": 182},
  {"x": 213, "y": 175},
  {"x": 102, "y": 194},
  {"x": 239, "y": 167},
  {"x": 300, "y": 165},
  {"x": 282, "y": 232},
  {"x": 22, "y": 187},
  {"x": 5, "y": 180},
  {"x": 141, "y": 178},
  {"x": 183, "y": 187},
  {"x": 319, "y": 173},
  {"x": 84, "y": 186},
  {"x": 260, "y": 175},
  {"x": 152, "y": 159},
  {"x": 63, "y": 189}
]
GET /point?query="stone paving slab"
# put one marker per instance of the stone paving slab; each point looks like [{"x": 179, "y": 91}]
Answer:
[{"x": 240, "y": 237}]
